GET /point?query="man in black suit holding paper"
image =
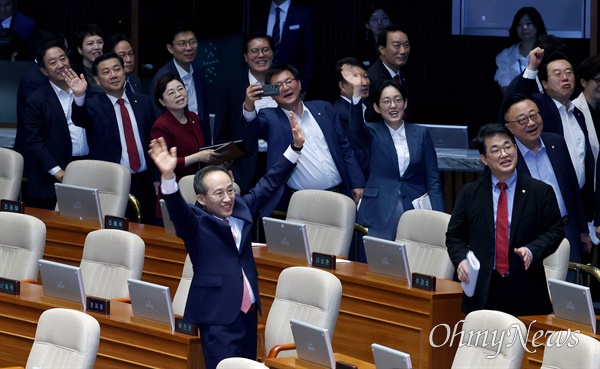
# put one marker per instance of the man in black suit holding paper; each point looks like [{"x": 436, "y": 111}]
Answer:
[{"x": 510, "y": 238}]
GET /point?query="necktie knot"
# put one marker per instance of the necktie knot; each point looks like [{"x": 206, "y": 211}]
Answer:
[
  {"x": 503, "y": 186},
  {"x": 121, "y": 102}
]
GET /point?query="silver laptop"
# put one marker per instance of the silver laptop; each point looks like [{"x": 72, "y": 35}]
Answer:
[
  {"x": 572, "y": 301},
  {"x": 446, "y": 136},
  {"x": 387, "y": 258},
  {"x": 151, "y": 301},
  {"x": 287, "y": 238},
  {"x": 78, "y": 202},
  {"x": 313, "y": 343},
  {"x": 168, "y": 223},
  {"x": 62, "y": 281},
  {"x": 388, "y": 358}
]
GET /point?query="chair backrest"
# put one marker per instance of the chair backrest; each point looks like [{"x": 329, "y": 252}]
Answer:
[
  {"x": 110, "y": 257},
  {"x": 11, "y": 173},
  {"x": 111, "y": 179},
  {"x": 424, "y": 234},
  {"x": 478, "y": 349},
  {"x": 329, "y": 218},
  {"x": 65, "y": 338},
  {"x": 240, "y": 363},
  {"x": 564, "y": 352},
  {"x": 183, "y": 288},
  {"x": 22, "y": 243},
  {"x": 308, "y": 294},
  {"x": 186, "y": 187},
  {"x": 557, "y": 265}
]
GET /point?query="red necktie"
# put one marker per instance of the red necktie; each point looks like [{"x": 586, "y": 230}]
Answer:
[
  {"x": 502, "y": 231},
  {"x": 246, "y": 301},
  {"x": 132, "y": 151},
  {"x": 397, "y": 80}
]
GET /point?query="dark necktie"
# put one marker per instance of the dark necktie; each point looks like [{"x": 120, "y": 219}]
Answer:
[
  {"x": 397, "y": 80},
  {"x": 246, "y": 301},
  {"x": 132, "y": 152},
  {"x": 276, "y": 33},
  {"x": 502, "y": 231}
]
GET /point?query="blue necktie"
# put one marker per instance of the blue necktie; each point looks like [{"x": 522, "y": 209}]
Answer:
[{"x": 276, "y": 34}]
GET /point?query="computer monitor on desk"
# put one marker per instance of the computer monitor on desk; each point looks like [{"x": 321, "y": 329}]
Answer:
[{"x": 446, "y": 136}]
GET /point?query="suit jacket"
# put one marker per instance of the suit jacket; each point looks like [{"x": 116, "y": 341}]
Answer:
[
  {"x": 98, "y": 117},
  {"x": 593, "y": 134},
  {"x": 230, "y": 125},
  {"x": 535, "y": 223},
  {"x": 385, "y": 184},
  {"x": 215, "y": 294},
  {"x": 47, "y": 138},
  {"x": 200, "y": 83},
  {"x": 343, "y": 109},
  {"x": 553, "y": 123},
  {"x": 136, "y": 84},
  {"x": 558, "y": 153},
  {"x": 273, "y": 126},
  {"x": 378, "y": 73},
  {"x": 297, "y": 38},
  {"x": 26, "y": 28}
]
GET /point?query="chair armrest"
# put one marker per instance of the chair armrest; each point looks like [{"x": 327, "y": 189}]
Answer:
[
  {"x": 126, "y": 300},
  {"x": 12, "y": 367},
  {"x": 33, "y": 281},
  {"x": 278, "y": 348},
  {"x": 261, "y": 352},
  {"x": 135, "y": 204},
  {"x": 362, "y": 229}
]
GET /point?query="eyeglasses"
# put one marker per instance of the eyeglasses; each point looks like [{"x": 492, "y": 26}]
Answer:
[
  {"x": 559, "y": 73},
  {"x": 508, "y": 149},
  {"x": 524, "y": 120},
  {"x": 596, "y": 79},
  {"x": 129, "y": 55},
  {"x": 221, "y": 194},
  {"x": 182, "y": 44},
  {"x": 265, "y": 50},
  {"x": 288, "y": 82},
  {"x": 388, "y": 102}
]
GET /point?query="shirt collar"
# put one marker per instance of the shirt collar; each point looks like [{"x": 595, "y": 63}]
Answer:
[
  {"x": 284, "y": 6},
  {"x": 59, "y": 90},
  {"x": 401, "y": 131},
  {"x": 182, "y": 72},
  {"x": 510, "y": 182}
]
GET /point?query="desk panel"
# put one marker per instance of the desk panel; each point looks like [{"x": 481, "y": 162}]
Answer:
[{"x": 122, "y": 343}]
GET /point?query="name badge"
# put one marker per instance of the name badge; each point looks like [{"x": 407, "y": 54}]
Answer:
[{"x": 295, "y": 26}]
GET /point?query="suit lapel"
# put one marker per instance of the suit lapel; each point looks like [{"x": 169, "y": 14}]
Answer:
[
  {"x": 390, "y": 149},
  {"x": 488, "y": 204},
  {"x": 57, "y": 110},
  {"x": 519, "y": 201},
  {"x": 412, "y": 141}
]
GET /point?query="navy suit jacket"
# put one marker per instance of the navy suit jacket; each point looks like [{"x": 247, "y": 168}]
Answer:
[
  {"x": 273, "y": 126},
  {"x": 385, "y": 184},
  {"x": 343, "y": 109},
  {"x": 47, "y": 138},
  {"x": 216, "y": 291},
  {"x": 230, "y": 125},
  {"x": 558, "y": 153},
  {"x": 297, "y": 39},
  {"x": 378, "y": 73},
  {"x": 553, "y": 123},
  {"x": 200, "y": 83},
  {"x": 136, "y": 84},
  {"x": 535, "y": 223},
  {"x": 98, "y": 117}
]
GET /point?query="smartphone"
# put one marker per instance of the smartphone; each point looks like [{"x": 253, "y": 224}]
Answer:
[{"x": 270, "y": 90}]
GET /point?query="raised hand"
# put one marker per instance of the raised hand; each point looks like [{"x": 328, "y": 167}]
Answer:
[
  {"x": 78, "y": 84},
  {"x": 297, "y": 131},
  {"x": 535, "y": 58},
  {"x": 165, "y": 159},
  {"x": 352, "y": 75}
]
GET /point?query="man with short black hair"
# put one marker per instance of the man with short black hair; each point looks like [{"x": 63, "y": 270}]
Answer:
[{"x": 121, "y": 45}]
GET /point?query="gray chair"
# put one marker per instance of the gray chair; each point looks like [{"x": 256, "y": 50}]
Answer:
[
  {"x": 111, "y": 179},
  {"x": 22, "y": 243},
  {"x": 65, "y": 338},
  {"x": 556, "y": 265},
  {"x": 424, "y": 234},
  {"x": 329, "y": 218},
  {"x": 240, "y": 363},
  {"x": 180, "y": 298},
  {"x": 570, "y": 354},
  {"x": 11, "y": 174},
  {"x": 110, "y": 257}
]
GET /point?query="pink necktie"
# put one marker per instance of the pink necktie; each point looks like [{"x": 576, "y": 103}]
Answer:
[
  {"x": 246, "y": 301},
  {"x": 502, "y": 231}
]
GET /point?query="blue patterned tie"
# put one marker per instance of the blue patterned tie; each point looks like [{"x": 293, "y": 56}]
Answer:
[{"x": 276, "y": 34}]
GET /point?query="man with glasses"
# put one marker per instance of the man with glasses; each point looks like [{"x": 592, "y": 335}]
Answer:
[
  {"x": 544, "y": 156},
  {"x": 120, "y": 45},
  {"x": 328, "y": 161},
  {"x": 258, "y": 54},
  {"x": 560, "y": 115},
  {"x": 511, "y": 222},
  {"x": 181, "y": 42}
]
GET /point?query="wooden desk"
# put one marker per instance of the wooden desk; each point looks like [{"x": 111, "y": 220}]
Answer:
[
  {"x": 164, "y": 257},
  {"x": 533, "y": 355},
  {"x": 290, "y": 362},
  {"x": 373, "y": 308},
  {"x": 122, "y": 344},
  {"x": 380, "y": 309}
]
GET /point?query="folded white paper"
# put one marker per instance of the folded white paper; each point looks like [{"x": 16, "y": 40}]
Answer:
[
  {"x": 422, "y": 202},
  {"x": 473, "y": 266}
]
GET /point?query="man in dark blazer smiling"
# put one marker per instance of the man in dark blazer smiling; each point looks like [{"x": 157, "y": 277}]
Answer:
[{"x": 511, "y": 279}]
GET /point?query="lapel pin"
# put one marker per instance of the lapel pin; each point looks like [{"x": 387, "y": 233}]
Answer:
[
  {"x": 523, "y": 191},
  {"x": 552, "y": 146},
  {"x": 135, "y": 101},
  {"x": 318, "y": 113}
]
